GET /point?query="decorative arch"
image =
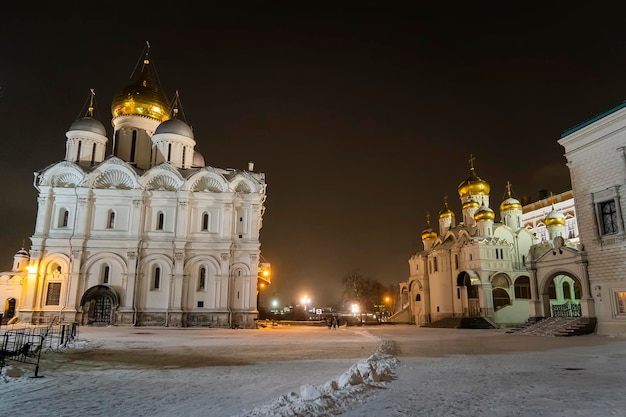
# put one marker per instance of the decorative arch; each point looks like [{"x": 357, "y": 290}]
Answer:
[
  {"x": 207, "y": 182},
  {"x": 99, "y": 304},
  {"x": 114, "y": 178},
  {"x": 64, "y": 174}
]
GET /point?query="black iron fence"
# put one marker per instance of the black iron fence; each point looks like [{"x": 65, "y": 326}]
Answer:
[{"x": 26, "y": 343}]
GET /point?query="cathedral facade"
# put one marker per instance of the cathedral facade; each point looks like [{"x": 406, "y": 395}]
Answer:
[
  {"x": 148, "y": 235},
  {"x": 526, "y": 267}
]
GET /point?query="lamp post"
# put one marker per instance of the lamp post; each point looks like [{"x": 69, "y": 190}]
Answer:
[{"x": 305, "y": 301}]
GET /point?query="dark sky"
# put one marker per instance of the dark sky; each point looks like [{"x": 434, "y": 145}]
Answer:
[{"x": 362, "y": 114}]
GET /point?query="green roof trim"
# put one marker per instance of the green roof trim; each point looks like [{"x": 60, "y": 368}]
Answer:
[{"x": 593, "y": 119}]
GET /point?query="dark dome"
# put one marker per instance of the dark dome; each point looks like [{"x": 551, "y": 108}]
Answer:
[
  {"x": 89, "y": 124},
  {"x": 175, "y": 126}
]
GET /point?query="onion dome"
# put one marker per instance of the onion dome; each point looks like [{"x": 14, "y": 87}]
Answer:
[
  {"x": 484, "y": 213},
  {"x": 473, "y": 185},
  {"x": 198, "y": 160},
  {"x": 554, "y": 218},
  {"x": 143, "y": 97},
  {"x": 428, "y": 233},
  {"x": 510, "y": 203},
  {"x": 471, "y": 204},
  {"x": 446, "y": 212},
  {"x": 175, "y": 126},
  {"x": 89, "y": 124}
]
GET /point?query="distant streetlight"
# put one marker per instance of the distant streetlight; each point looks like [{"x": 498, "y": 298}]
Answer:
[{"x": 306, "y": 301}]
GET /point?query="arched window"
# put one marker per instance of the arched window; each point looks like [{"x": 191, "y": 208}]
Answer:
[
  {"x": 111, "y": 220},
  {"x": 500, "y": 298},
  {"x": 418, "y": 297},
  {"x": 93, "y": 154},
  {"x": 105, "y": 274},
  {"x": 133, "y": 147},
  {"x": 567, "y": 295},
  {"x": 80, "y": 144},
  {"x": 64, "y": 218},
  {"x": 202, "y": 279},
  {"x": 205, "y": 221},
  {"x": 156, "y": 280},
  {"x": 160, "y": 220},
  {"x": 499, "y": 281}
]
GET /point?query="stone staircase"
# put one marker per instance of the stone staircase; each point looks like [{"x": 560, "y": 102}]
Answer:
[{"x": 558, "y": 326}]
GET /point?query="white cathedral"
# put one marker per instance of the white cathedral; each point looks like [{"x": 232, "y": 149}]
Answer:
[
  {"x": 526, "y": 267},
  {"x": 148, "y": 235}
]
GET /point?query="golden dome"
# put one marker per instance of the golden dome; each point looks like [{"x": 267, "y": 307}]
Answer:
[
  {"x": 429, "y": 234},
  {"x": 485, "y": 213},
  {"x": 473, "y": 185},
  {"x": 446, "y": 212},
  {"x": 471, "y": 204},
  {"x": 142, "y": 97},
  {"x": 510, "y": 203},
  {"x": 554, "y": 218}
]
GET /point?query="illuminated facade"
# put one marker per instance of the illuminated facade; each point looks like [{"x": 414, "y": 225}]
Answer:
[
  {"x": 148, "y": 235},
  {"x": 526, "y": 267}
]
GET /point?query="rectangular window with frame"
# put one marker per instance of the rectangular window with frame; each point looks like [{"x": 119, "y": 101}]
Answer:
[
  {"x": 620, "y": 300},
  {"x": 53, "y": 294},
  {"x": 608, "y": 212},
  {"x": 608, "y": 217}
]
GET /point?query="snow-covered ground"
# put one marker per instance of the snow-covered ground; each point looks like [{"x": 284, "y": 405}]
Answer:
[{"x": 379, "y": 371}]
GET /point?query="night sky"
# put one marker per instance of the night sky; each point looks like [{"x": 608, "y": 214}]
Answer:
[{"x": 362, "y": 114}]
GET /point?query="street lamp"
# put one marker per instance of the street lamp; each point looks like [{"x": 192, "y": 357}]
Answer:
[{"x": 306, "y": 300}]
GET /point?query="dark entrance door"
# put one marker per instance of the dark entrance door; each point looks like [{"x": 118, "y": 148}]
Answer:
[
  {"x": 102, "y": 310},
  {"x": 10, "y": 311}
]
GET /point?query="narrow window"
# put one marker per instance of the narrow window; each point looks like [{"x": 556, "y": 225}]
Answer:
[
  {"x": 156, "y": 283},
  {"x": 53, "y": 294},
  {"x": 93, "y": 154},
  {"x": 435, "y": 267},
  {"x": 183, "y": 156},
  {"x": 80, "y": 144},
  {"x": 169, "y": 152},
  {"x": 133, "y": 147},
  {"x": 205, "y": 221},
  {"x": 456, "y": 261},
  {"x": 66, "y": 218},
  {"x": 202, "y": 279},
  {"x": 105, "y": 275},
  {"x": 160, "y": 220},
  {"x": 111, "y": 221},
  {"x": 620, "y": 298},
  {"x": 116, "y": 142}
]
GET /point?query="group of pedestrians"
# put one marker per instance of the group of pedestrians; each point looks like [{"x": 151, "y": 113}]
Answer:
[{"x": 332, "y": 323}]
